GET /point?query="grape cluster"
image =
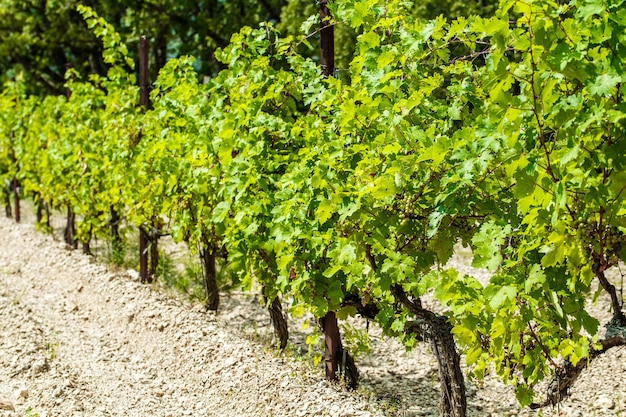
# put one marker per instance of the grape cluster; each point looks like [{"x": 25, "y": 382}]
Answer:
[
  {"x": 405, "y": 205},
  {"x": 611, "y": 238},
  {"x": 614, "y": 241}
]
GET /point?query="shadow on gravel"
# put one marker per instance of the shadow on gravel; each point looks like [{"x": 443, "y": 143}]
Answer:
[
  {"x": 405, "y": 391},
  {"x": 403, "y": 395}
]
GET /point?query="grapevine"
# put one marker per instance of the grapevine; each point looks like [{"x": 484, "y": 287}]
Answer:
[{"x": 505, "y": 134}]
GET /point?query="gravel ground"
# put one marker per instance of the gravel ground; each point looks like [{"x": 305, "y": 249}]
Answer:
[{"x": 77, "y": 339}]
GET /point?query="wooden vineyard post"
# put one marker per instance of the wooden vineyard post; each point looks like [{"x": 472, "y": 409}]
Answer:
[
  {"x": 147, "y": 240},
  {"x": 144, "y": 96},
  {"x": 15, "y": 187},
  {"x": 143, "y": 255},
  {"x": 332, "y": 339},
  {"x": 16, "y": 195},
  {"x": 144, "y": 101},
  {"x": 327, "y": 34},
  {"x": 70, "y": 227},
  {"x": 153, "y": 238},
  {"x": 333, "y": 350}
]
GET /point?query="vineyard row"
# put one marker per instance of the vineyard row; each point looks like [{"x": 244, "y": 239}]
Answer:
[{"x": 504, "y": 134}]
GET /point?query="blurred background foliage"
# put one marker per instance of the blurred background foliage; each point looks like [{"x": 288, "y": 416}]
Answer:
[{"x": 40, "y": 38}]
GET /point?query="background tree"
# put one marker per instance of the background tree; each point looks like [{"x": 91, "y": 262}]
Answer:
[{"x": 41, "y": 37}]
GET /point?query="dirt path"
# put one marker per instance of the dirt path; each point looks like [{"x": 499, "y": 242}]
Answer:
[{"x": 79, "y": 340}]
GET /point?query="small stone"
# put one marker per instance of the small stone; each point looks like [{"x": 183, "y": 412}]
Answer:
[
  {"x": 571, "y": 412},
  {"x": 6, "y": 405},
  {"x": 22, "y": 393},
  {"x": 230, "y": 361},
  {"x": 39, "y": 366},
  {"x": 605, "y": 402}
]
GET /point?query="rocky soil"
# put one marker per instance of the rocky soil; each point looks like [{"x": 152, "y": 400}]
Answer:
[{"x": 78, "y": 339}]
